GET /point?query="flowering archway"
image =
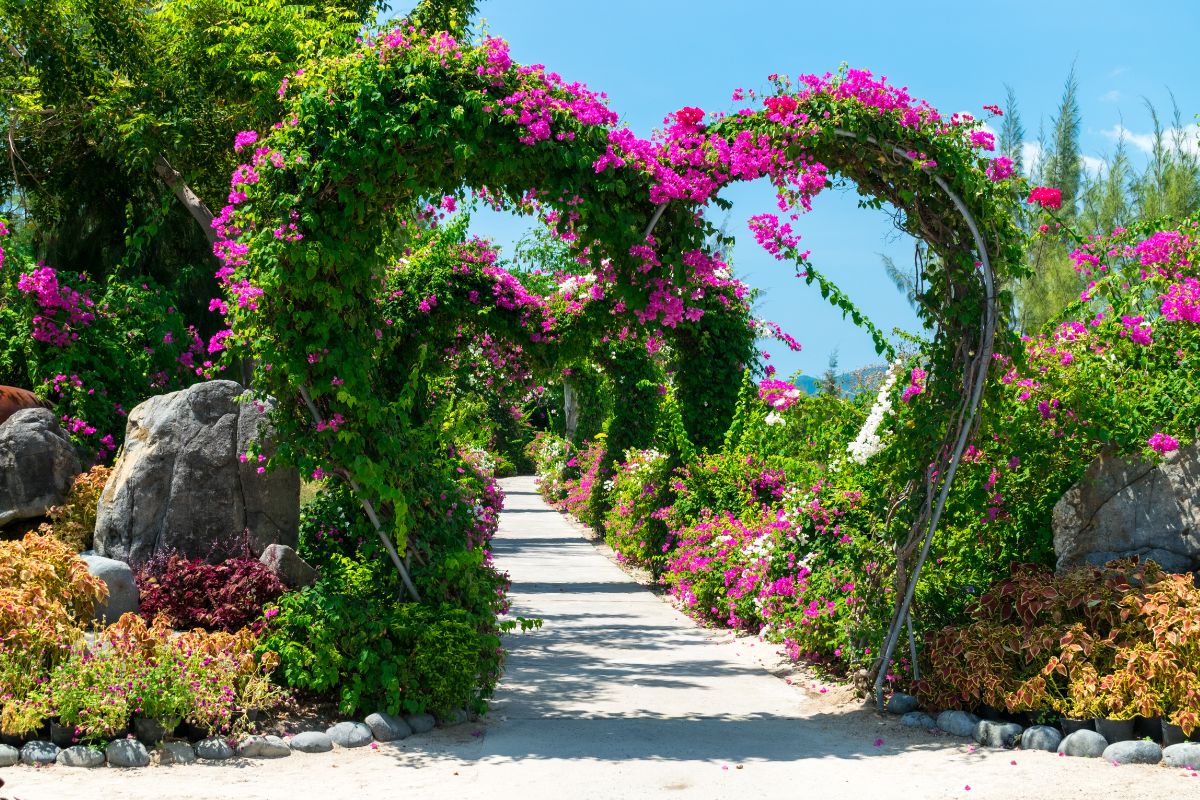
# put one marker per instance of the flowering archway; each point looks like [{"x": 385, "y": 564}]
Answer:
[{"x": 373, "y": 141}]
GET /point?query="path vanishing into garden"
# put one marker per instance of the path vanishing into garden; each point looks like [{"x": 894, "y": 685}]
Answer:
[{"x": 621, "y": 696}]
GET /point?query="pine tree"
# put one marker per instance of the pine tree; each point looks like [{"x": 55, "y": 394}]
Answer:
[
  {"x": 1012, "y": 132},
  {"x": 831, "y": 383}
]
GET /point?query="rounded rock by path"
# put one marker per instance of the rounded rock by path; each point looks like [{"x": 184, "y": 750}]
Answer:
[
  {"x": 1135, "y": 751},
  {"x": 455, "y": 717},
  {"x": 918, "y": 719},
  {"x": 39, "y": 753},
  {"x": 901, "y": 703},
  {"x": 1041, "y": 737},
  {"x": 175, "y": 753},
  {"x": 9, "y": 755},
  {"x": 997, "y": 734},
  {"x": 1084, "y": 744},
  {"x": 81, "y": 756},
  {"x": 350, "y": 734},
  {"x": 127, "y": 753},
  {"x": 420, "y": 723},
  {"x": 214, "y": 748},
  {"x": 263, "y": 747},
  {"x": 311, "y": 742},
  {"x": 122, "y": 588},
  {"x": 957, "y": 723},
  {"x": 1185, "y": 755},
  {"x": 387, "y": 728}
]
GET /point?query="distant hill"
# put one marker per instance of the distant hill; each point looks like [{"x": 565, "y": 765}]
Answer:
[{"x": 866, "y": 379}]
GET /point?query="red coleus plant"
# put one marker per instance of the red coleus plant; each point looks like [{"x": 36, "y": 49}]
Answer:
[{"x": 217, "y": 597}]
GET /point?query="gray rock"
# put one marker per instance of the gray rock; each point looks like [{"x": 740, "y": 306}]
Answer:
[
  {"x": 81, "y": 756},
  {"x": 918, "y": 719},
  {"x": 1131, "y": 507},
  {"x": 213, "y": 748},
  {"x": 350, "y": 734},
  {"x": 957, "y": 723},
  {"x": 1084, "y": 744},
  {"x": 180, "y": 487},
  {"x": 311, "y": 742},
  {"x": 122, "y": 589},
  {"x": 1185, "y": 755},
  {"x": 38, "y": 752},
  {"x": 263, "y": 747},
  {"x": 9, "y": 755},
  {"x": 37, "y": 464},
  {"x": 288, "y": 566},
  {"x": 1041, "y": 737},
  {"x": 387, "y": 728},
  {"x": 997, "y": 734},
  {"x": 901, "y": 703},
  {"x": 175, "y": 753},
  {"x": 455, "y": 717},
  {"x": 127, "y": 753},
  {"x": 1136, "y": 751},
  {"x": 420, "y": 723}
]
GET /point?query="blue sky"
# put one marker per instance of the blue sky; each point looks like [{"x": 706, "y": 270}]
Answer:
[{"x": 654, "y": 56}]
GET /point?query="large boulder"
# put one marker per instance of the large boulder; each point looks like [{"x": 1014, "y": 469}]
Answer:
[
  {"x": 180, "y": 486},
  {"x": 37, "y": 465},
  {"x": 1130, "y": 507}
]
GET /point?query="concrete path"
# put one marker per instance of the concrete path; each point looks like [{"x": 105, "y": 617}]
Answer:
[{"x": 620, "y": 696}]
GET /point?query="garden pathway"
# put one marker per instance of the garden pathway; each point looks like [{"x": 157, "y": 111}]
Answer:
[{"x": 621, "y": 696}]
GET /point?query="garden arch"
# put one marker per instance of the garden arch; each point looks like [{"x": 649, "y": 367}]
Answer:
[{"x": 375, "y": 139}]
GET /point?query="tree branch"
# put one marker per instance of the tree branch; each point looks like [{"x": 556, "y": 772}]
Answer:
[{"x": 195, "y": 206}]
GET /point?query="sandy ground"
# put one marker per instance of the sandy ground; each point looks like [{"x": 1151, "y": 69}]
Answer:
[{"x": 619, "y": 695}]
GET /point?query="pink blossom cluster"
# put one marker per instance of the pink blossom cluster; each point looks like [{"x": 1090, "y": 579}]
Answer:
[
  {"x": 916, "y": 384},
  {"x": 1162, "y": 443},
  {"x": 779, "y": 395},
  {"x": 63, "y": 311}
]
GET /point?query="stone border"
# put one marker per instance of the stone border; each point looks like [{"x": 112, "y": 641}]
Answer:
[
  {"x": 1009, "y": 735},
  {"x": 131, "y": 753}
]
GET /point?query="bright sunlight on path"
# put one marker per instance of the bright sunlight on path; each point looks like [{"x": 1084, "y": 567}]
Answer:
[{"x": 620, "y": 696}]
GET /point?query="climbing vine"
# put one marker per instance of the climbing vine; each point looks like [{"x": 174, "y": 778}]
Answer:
[{"x": 323, "y": 293}]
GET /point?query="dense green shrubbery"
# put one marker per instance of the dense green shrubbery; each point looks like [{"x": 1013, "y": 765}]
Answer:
[{"x": 352, "y": 635}]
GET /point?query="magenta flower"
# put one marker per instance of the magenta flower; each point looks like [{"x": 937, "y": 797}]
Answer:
[
  {"x": 1162, "y": 443},
  {"x": 1046, "y": 197}
]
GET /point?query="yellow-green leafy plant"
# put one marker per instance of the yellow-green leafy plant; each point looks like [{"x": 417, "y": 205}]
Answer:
[{"x": 75, "y": 520}]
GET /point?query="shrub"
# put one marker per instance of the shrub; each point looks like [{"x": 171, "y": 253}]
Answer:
[
  {"x": 550, "y": 455},
  {"x": 75, "y": 521},
  {"x": 349, "y": 637},
  {"x": 585, "y": 494},
  {"x": 638, "y": 491},
  {"x": 144, "y": 670},
  {"x": 190, "y": 593},
  {"x": 46, "y": 595},
  {"x": 1116, "y": 642}
]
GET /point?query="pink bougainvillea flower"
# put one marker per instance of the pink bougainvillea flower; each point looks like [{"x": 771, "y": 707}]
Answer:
[
  {"x": 1000, "y": 168},
  {"x": 1162, "y": 443},
  {"x": 1046, "y": 197}
]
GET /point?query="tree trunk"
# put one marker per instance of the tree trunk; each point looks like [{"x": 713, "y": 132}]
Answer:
[
  {"x": 570, "y": 411},
  {"x": 195, "y": 206}
]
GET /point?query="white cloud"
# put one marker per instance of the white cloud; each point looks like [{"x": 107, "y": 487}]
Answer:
[
  {"x": 1118, "y": 71},
  {"x": 1111, "y": 96},
  {"x": 1188, "y": 137},
  {"x": 1031, "y": 154},
  {"x": 1094, "y": 166}
]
